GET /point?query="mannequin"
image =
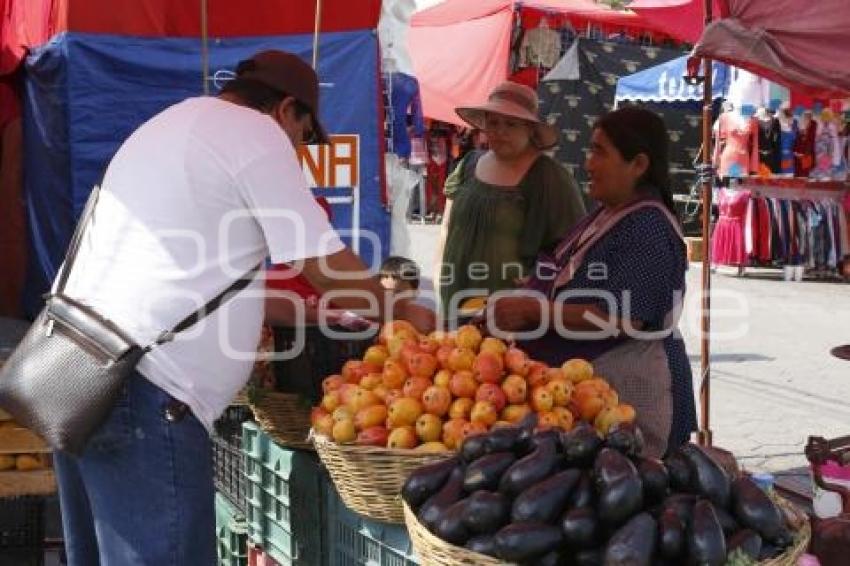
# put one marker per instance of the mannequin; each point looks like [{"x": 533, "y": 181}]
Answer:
[
  {"x": 768, "y": 141},
  {"x": 736, "y": 149},
  {"x": 787, "y": 138},
  {"x": 826, "y": 146},
  {"x": 804, "y": 146}
]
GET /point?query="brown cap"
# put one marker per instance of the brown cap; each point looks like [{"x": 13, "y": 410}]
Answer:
[{"x": 290, "y": 74}]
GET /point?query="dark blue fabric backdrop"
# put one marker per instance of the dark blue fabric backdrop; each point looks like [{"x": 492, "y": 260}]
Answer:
[{"x": 86, "y": 93}]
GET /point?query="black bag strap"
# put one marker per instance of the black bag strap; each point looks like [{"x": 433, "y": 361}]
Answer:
[{"x": 187, "y": 322}]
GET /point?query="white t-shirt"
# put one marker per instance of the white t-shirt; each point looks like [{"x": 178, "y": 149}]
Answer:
[{"x": 194, "y": 199}]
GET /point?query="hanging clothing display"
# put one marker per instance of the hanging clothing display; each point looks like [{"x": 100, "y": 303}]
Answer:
[
  {"x": 404, "y": 99},
  {"x": 787, "y": 139},
  {"x": 736, "y": 149},
  {"x": 769, "y": 133},
  {"x": 727, "y": 241},
  {"x": 804, "y": 148},
  {"x": 541, "y": 47},
  {"x": 795, "y": 231},
  {"x": 826, "y": 143}
]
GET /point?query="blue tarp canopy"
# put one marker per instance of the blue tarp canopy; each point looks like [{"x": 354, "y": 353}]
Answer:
[
  {"x": 86, "y": 93},
  {"x": 666, "y": 83}
]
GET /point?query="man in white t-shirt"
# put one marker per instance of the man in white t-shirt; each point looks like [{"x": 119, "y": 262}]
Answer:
[{"x": 192, "y": 201}]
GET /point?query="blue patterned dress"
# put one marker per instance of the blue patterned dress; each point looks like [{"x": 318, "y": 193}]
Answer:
[{"x": 643, "y": 255}]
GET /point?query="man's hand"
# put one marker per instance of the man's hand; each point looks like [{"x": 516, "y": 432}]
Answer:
[
  {"x": 514, "y": 313},
  {"x": 422, "y": 318}
]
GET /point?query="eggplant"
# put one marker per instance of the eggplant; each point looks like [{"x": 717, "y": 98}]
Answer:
[
  {"x": 593, "y": 557},
  {"x": 526, "y": 425},
  {"x": 483, "y": 544},
  {"x": 521, "y": 542},
  {"x": 545, "y": 500},
  {"x": 769, "y": 551},
  {"x": 682, "y": 504},
  {"x": 450, "y": 527},
  {"x": 486, "y": 512},
  {"x": 502, "y": 439},
  {"x": 473, "y": 447},
  {"x": 552, "y": 434},
  {"x": 626, "y": 438},
  {"x": 553, "y": 558},
  {"x": 706, "y": 543},
  {"x": 746, "y": 541},
  {"x": 754, "y": 510},
  {"x": 611, "y": 467},
  {"x": 678, "y": 471},
  {"x": 580, "y": 528},
  {"x": 485, "y": 472},
  {"x": 583, "y": 494},
  {"x": 653, "y": 476},
  {"x": 620, "y": 501},
  {"x": 708, "y": 479},
  {"x": 425, "y": 481},
  {"x": 529, "y": 470},
  {"x": 634, "y": 543},
  {"x": 727, "y": 521},
  {"x": 449, "y": 494},
  {"x": 671, "y": 536},
  {"x": 580, "y": 446}
]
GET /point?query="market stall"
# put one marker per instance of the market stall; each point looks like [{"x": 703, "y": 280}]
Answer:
[{"x": 83, "y": 60}]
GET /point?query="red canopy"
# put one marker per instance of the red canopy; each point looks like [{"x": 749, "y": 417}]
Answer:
[
  {"x": 29, "y": 23},
  {"x": 460, "y": 48},
  {"x": 681, "y": 19},
  {"x": 803, "y": 44}
]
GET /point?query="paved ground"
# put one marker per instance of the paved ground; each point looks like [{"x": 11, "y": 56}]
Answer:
[{"x": 773, "y": 382}]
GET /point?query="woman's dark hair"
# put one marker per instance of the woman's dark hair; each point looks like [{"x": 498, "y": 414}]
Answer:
[
  {"x": 634, "y": 130},
  {"x": 257, "y": 94}
]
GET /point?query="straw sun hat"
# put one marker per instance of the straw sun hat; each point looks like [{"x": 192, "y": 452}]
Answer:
[{"x": 514, "y": 100}]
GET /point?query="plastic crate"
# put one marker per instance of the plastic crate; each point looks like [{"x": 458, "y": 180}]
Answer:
[
  {"x": 231, "y": 533},
  {"x": 357, "y": 541},
  {"x": 228, "y": 460},
  {"x": 284, "y": 505},
  {"x": 21, "y": 522},
  {"x": 320, "y": 357},
  {"x": 22, "y": 556}
]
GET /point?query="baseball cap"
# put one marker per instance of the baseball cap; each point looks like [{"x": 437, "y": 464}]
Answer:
[{"x": 286, "y": 72}]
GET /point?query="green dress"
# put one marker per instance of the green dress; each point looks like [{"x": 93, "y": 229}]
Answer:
[{"x": 496, "y": 232}]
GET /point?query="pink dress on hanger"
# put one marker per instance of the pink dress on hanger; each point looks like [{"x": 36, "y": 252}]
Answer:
[{"x": 727, "y": 241}]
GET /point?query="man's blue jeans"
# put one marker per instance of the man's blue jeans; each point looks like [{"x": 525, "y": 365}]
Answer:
[{"x": 142, "y": 492}]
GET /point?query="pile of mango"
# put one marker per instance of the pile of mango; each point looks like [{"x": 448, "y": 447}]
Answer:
[
  {"x": 431, "y": 392},
  {"x": 555, "y": 498},
  {"x": 23, "y": 462}
]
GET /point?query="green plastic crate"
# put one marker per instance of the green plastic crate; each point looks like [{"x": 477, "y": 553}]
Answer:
[
  {"x": 231, "y": 531},
  {"x": 357, "y": 541},
  {"x": 284, "y": 506}
]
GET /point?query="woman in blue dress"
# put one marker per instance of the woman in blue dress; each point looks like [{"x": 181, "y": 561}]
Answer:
[{"x": 613, "y": 290}]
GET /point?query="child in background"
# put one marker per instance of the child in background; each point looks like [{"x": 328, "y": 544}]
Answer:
[{"x": 400, "y": 274}]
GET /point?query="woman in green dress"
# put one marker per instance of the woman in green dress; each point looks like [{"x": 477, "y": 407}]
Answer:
[{"x": 504, "y": 205}]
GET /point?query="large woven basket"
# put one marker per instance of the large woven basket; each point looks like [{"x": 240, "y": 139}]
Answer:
[
  {"x": 801, "y": 538},
  {"x": 369, "y": 479},
  {"x": 433, "y": 551},
  {"x": 285, "y": 417}
]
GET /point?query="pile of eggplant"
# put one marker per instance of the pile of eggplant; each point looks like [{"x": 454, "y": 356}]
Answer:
[{"x": 573, "y": 498}]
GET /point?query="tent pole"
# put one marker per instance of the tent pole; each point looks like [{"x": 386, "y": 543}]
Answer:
[
  {"x": 316, "y": 30},
  {"x": 704, "y": 436},
  {"x": 205, "y": 54}
]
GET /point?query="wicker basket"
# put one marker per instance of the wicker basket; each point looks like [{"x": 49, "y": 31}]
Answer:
[
  {"x": 801, "y": 538},
  {"x": 285, "y": 417},
  {"x": 369, "y": 479},
  {"x": 433, "y": 551}
]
